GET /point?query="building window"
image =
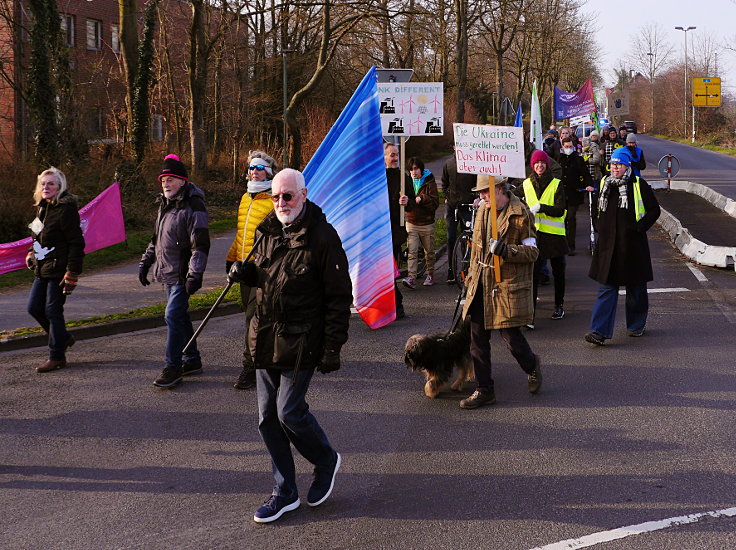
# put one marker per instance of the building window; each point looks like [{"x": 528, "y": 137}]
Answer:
[
  {"x": 115, "y": 37},
  {"x": 157, "y": 128},
  {"x": 68, "y": 29},
  {"x": 94, "y": 34}
]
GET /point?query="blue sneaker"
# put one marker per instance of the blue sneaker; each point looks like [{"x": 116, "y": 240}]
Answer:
[
  {"x": 323, "y": 483},
  {"x": 274, "y": 507}
]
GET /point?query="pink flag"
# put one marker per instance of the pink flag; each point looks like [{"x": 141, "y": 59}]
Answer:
[{"x": 102, "y": 225}]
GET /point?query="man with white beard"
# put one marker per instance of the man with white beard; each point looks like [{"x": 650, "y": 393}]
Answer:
[{"x": 303, "y": 297}]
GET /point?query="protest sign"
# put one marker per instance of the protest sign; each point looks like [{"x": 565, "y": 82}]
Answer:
[{"x": 491, "y": 150}]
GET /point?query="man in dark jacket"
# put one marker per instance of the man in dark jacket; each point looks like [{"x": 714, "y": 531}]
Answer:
[
  {"x": 398, "y": 231},
  {"x": 575, "y": 178},
  {"x": 626, "y": 209},
  {"x": 302, "y": 315},
  {"x": 458, "y": 191},
  {"x": 178, "y": 253}
]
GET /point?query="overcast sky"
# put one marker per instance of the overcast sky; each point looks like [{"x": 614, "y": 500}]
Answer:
[{"x": 620, "y": 19}]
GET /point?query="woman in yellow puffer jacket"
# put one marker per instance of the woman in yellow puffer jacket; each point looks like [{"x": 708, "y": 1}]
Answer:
[{"x": 255, "y": 205}]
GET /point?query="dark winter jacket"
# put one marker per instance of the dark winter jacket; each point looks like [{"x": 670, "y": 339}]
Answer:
[
  {"x": 393, "y": 179},
  {"x": 457, "y": 187},
  {"x": 181, "y": 239},
  {"x": 424, "y": 212},
  {"x": 59, "y": 247},
  {"x": 575, "y": 176},
  {"x": 303, "y": 292},
  {"x": 621, "y": 256}
]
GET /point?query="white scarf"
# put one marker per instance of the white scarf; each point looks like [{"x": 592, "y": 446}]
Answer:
[{"x": 259, "y": 186}]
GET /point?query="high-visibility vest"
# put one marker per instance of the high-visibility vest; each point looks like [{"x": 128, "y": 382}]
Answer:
[
  {"x": 543, "y": 222},
  {"x": 639, "y": 209}
]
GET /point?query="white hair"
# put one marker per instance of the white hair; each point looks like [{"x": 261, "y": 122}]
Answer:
[{"x": 295, "y": 175}]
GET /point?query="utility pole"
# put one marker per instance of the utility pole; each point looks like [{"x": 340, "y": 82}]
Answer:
[{"x": 685, "y": 30}]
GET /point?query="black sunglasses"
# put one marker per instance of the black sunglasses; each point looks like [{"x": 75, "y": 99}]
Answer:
[
  {"x": 286, "y": 196},
  {"x": 257, "y": 167}
]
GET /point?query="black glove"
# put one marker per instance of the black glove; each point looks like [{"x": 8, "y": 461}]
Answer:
[
  {"x": 499, "y": 248},
  {"x": 330, "y": 361},
  {"x": 143, "y": 268},
  {"x": 228, "y": 265},
  {"x": 245, "y": 273},
  {"x": 193, "y": 283}
]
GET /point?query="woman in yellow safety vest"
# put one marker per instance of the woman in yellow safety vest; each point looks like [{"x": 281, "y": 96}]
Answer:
[
  {"x": 255, "y": 205},
  {"x": 545, "y": 196}
]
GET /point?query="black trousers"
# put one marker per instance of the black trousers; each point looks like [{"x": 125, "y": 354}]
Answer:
[
  {"x": 480, "y": 345},
  {"x": 558, "y": 274}
]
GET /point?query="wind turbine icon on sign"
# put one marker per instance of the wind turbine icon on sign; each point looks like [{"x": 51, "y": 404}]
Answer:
[
  {"x": 409, "y": 102},
  {"x": 418, "y": 124},
  {"x": 435, "y": 102}
]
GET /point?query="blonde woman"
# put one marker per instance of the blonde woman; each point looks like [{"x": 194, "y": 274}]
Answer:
[
  {"x": 255, "y": 204},
  {"x": 55, "y": 257}
]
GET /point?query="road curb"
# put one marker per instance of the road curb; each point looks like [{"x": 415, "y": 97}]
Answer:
[
  {"x": 113, "y": 327},
  {"x": 698, "y": 251}
]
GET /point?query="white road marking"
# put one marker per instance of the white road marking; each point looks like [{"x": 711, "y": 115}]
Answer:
[
  {"x": 622, "y": 292},
  {"x": 698, "y": 274},
  {"x": 641, "y": 528}
]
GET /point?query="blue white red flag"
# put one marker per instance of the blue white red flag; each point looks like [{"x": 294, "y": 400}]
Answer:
[{"x": 346, "y": 177}]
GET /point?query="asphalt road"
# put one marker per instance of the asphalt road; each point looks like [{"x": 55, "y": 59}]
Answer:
[
  {"x": 714, "y": 170},
  {"x": 641, "y": 430}
]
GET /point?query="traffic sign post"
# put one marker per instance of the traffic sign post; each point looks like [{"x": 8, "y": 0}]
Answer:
[
  {"x": 706, "y": 92},
  {"x": 669, "y": 167}
]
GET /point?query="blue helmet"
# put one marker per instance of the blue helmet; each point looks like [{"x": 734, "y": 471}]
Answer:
[{"x": 621, "y": 156}]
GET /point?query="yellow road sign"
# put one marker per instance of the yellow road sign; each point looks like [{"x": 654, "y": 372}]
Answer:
[{"x": 706, "y": 92}]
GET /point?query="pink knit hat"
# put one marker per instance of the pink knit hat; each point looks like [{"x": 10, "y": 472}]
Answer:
[{"x": 537, "y": 156}]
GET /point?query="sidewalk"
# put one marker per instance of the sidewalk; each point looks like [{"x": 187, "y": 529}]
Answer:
[{"x": 114, "y": 290}]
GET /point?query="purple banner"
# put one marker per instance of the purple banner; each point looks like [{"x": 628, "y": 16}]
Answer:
[{"x": 570, "y": 104}]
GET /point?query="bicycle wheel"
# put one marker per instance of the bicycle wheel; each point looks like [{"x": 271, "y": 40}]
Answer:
[{"x": 460, "y": 260}]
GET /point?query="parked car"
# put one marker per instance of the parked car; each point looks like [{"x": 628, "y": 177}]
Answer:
[
  {"x": 630, "y": 126},
  {"x": 584, "y": 130}
]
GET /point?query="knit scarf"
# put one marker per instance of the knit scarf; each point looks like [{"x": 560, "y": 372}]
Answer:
[
  {"x": 259, "y": 186},
  {"x": 623, "y": 198}
]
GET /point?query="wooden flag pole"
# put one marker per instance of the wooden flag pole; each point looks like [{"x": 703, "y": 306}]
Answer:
[
  {"x": 494, "y": 225},
  {"x": 402, "y": 168}
]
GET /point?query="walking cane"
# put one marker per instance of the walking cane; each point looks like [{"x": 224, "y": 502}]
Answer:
[{"x": 219, "y": 298}]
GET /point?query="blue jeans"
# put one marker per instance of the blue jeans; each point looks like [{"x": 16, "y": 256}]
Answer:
[
  {"x": 46, "y": 305},
  {"x": 453, "y": 218},
  {"x": 284, "y": 420},
  {"x": 180, "y": 326},
  {"x": 604, "y": 310}
]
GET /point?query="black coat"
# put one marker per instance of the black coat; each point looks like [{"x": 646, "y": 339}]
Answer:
[
  {"x": 303, "y": 292},
  {"x": 457, "y": 187},
  {"x": 621, "y": 256},
  {"x": 575, "y": 176},
  {"x": 61, "y": 236},
  {"x": 393, "y": 179}
]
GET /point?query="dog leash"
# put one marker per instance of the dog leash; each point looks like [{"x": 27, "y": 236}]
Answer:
[{"x": 455, "y": 317}]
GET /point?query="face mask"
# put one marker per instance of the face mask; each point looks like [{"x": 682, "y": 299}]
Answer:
[{"x": 567, "y": 151}]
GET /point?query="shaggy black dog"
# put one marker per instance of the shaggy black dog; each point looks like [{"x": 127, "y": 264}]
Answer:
[{"x": 436, "y": 355}]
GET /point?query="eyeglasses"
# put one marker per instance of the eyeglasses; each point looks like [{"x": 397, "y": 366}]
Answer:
[
  {"x": 286, "y": 196},
  {"x": 257, "y": 167}
]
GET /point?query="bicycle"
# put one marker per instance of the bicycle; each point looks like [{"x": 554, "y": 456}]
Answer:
[{"x": 460, "y": 257}]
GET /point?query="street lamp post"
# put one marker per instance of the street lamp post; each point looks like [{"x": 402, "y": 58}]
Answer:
[
  {"x": 685, "y": 30},
  {"x": 284, "y": 53},
  {"x": 651, "y": 89}
]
